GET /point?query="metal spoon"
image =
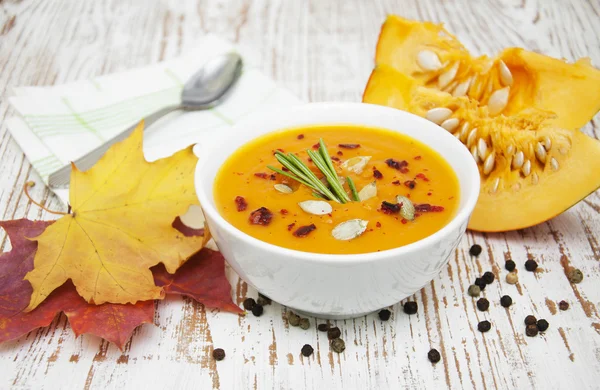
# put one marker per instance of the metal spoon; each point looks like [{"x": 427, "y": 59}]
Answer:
[{"x": 205, "y": 89}]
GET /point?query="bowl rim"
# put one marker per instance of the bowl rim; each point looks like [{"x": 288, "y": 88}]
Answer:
[{"x": 461, "y": 216}]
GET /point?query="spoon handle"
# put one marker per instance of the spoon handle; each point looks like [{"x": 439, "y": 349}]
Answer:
[{"x": 61, "y": 177}]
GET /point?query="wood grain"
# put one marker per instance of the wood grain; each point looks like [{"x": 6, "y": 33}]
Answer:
[{"x": 322, "y": 51}]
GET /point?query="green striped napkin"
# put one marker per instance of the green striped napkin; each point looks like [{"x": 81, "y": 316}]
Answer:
[{"x": 55, "y": 125}]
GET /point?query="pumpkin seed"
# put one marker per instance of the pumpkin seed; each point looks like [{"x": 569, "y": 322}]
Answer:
[
  {"x": 428, "y": 60},
  {"x": 407, "y": 210},
  {"x": 356, "y": 164},
  {"x": 498, "y": 101},
  {"x": 488, "y": 164},
  {"x": 505, "y": 74},
  {"x": 350, "y": 229},
  {"x": 526, "y": 168},
  {"x": 495, "y": 185},
  {"x": 450, "y": 124},
  {"x": 482, "y": 148},
  {"x": 534, "y": 178},
  {"x": 547, "y": 143},
  {"x": 283, "y": 188},
  {"x": 518, "y": 160},
  {"x": 449, "y": 75},
  {"x": 540, "y": 152},
  {"x": 316, "y": 207},
  {"x": 462, "y": 88},
  {"x": 554, "y": 164},
  {"x": 471, "y": 137},
  {"x": 474, "y": 153},
  {"x": 438, "y": 115},
  {"x": 367, "y": 192}
]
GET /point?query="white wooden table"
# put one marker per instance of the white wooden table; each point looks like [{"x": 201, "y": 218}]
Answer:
[{"x": 320, "y": 50}]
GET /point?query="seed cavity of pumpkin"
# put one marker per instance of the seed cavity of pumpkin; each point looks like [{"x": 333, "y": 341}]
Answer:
[
  {"x": 356, "y": 164},
  {"x": 316, "y": 207},
  {"x": 284, "y": 189},
  {"x": 349, "y": 230},
  {"x": 407, "y": 208},
  {"x": 367, "y": 192}
]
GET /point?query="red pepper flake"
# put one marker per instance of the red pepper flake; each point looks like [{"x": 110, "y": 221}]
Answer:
[
  {"x": 349, "y": 146},
  {"x": 396, "y": 182},
  {"x": 422, "y": 176},
  {"x": 334, "y": 158},
  {"x": 316, "y": 146},
  {"x": 241, "y": 203},
  {"x": 429, "y": 194},
  {"x": 273, "y": 177},
  {"x": 304, "y": 231},
  {"x": 278, "y": 150},
  {"x": 291, "y": 226},
  {"x": 399, "y": 165},
  {"x": 378, "y": 224},
  {"x": 300, "y": 136},
  {"x": 285, "y": 169},
  {"x": 340, "y": 153},
  {"x": 418, "y": 157},
  {"x": 404, "y": 221},
  {"x": 410, "y": 184},
  {"x": 283, "y": 211},
  {"x": 262, "y": 175},
  {"x": 426, "y": 207},
  {"x": 261, "y": 216},
  {"x": 377, "y": 175},
  {"x": 390, "y": 208}
]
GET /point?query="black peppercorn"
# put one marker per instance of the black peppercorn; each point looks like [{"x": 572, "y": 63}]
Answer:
[
  {"x": 474, "y": 291},
  {"x": 563, "y": 305},
  {"x": 506, "y": 301},
  {"x": 338, "y": 345},
  {"x": 334, "y": 333},
  {"x": 323, "y": 327},
  {"x": 531, "y": 330},
  {"x": 542, "y": 325},
  {"x": 307, "y": 350},
  {"x": 483, "y": 304},
  {"x": 262, "y": 300},
  {"x": 530, "y": 320},
  {"x": 484, "y": 326},
  {"x": 257, "y": 310},
  {"x": 475, "y": 250},
  {"x": 218, "y": 354},
  {"x": 384, "y": 315},
  {"x": 304, "y": 323},
  {"x": 249, "y": 303},
  {"x": 410, "y": 307},
  {"x": 531, "y": 265},
  {"x": 575, "y": 275},
  {"x": 433, "y": 356},
  {"x": 510, "y": 265},
  {"x": 479, "y": 282},
  {"x": 488, "y": 277}
]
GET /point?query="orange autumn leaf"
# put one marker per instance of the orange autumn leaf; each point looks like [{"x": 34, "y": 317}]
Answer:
[{"x": 120, "y": 226}]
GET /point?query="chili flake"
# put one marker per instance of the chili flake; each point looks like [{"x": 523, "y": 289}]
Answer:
[
  {"x": 316, "y": 146},
  {"x": 426, "y": 207},
  {"x": 396, "y": 182},
  {"x": 422, "y": 177},
  {"x": 291, "y": 226},
  {"x": 262, "y": 175},
  {"x": 304, "y": 231},
  {"x": 378, "y": 224},
  {"x": 340, "y": 153},
  {"x": 349, "y": 146},
  {"x": 399, "y": 165},
  {"x": 377, "y": 174},
  {"x": 283, "y": 212},
  {"x": 240, "y": 203},
  {"x": 390, "y": 208},
  {"x": 410, "y": 184},
  {"x": 300, "y": 136},
  {"x": 418, "y": 157},
  {"x": 261, "y": 216},
  {"x": 335, "y": 158}
]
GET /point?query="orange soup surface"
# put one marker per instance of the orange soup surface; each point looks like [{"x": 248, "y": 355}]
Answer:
[{"x": 399, "y": 165}]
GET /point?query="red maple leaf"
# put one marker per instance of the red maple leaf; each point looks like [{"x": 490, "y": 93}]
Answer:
[{"x": 202, "y": 278}]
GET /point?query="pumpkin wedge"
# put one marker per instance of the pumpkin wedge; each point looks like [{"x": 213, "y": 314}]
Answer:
[
  {"x": 513, "y": 81},
  {"x": 530, "y": 170}
]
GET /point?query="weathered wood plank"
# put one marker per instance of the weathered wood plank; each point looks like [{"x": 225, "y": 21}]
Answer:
[{"x": 321, "y": 51}]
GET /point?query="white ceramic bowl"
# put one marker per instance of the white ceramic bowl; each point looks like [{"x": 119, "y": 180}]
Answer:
[{"x": 338, "y": 286}]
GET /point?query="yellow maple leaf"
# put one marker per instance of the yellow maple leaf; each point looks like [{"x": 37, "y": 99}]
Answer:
[{"x": 119, "y": 227}]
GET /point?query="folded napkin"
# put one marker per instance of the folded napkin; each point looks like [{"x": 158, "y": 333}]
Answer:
[{"x": 58, "y": 124}]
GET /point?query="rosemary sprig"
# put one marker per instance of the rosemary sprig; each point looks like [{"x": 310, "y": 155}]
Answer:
[
  {"x": 352, "y": 188},
  {"x": 300, "y": 172}
]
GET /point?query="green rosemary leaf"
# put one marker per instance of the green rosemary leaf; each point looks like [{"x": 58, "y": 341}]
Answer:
[
  {"x": 331, "y": 178},
  {"x": 298, "y": 179},
  {"x": 352, "y": 188},
  {"x": 313, "y": 179}
]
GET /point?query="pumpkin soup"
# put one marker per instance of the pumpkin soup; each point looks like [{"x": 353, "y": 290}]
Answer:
[{"x": 336, "y": 189}]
